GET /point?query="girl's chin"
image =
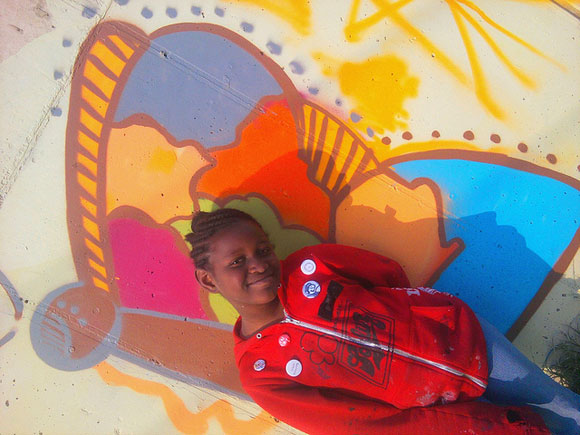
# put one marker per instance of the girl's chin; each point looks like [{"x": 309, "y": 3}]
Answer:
[{"x": 266, "y": 297}]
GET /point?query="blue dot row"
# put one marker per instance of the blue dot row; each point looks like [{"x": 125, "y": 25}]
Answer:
[
  {"x": 195, "y": 10},
  {"x": 275, "y": 49}
]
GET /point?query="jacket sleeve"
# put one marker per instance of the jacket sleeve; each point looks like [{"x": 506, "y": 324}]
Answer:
[
  {"x": 368, "y": 268},
  {"x": 324, "y": 411}
]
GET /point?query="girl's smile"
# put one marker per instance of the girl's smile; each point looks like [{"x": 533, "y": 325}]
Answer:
[{"x": 266, "y": 280}]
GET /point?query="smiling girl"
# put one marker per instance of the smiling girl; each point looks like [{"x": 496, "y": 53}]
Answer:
[{"x": 334, "y": 340}]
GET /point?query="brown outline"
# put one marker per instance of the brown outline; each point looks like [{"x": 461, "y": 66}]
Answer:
[{"x": 75, "y": 210}]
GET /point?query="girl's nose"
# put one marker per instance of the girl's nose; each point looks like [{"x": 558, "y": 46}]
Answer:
[{"x": 257, "y": 265}]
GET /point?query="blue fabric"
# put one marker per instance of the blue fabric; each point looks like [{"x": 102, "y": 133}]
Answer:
[{"x": 515, "y": 380}]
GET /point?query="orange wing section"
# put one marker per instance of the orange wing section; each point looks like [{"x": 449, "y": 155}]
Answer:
[{"x": 266, "y": 162}]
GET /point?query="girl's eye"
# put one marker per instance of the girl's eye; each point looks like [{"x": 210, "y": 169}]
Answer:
[
  {"x": 265, "y": 251},
  {"x": 237, "y": 261}
]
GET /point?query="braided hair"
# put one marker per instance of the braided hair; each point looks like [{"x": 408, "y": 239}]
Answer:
[{"x": 204, "y": 225}]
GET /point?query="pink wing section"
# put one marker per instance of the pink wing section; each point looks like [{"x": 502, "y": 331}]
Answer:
[{"x": 152, "y": 272}]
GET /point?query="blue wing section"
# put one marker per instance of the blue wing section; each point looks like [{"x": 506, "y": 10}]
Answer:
[
  {"x": 515, "y": 226},
  {"x": 197, "y": 85}
]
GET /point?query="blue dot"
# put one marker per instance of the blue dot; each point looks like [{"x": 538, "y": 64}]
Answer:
[
  {"x": 355, "y": 117},
  {"x": 66, "y": 42},
  {"x": 89, "y": 12},
  {"x": 147, "y": 13},
  {"x": 122, "y": 2},
  {"x": 274, "y": 48},
  {"x": 83, "y": 322},
  {"x": 56, "y": 111},
  {"x": 75, "y": 309},
  {"x": 370, "y": 132},
  {"x": 196, "y": 10},
  {"x": 338, "y": 102},
  {"x": 313, "y": 91},
  {"x": 247, "y": 27},
  {"x": 171, "y": 12},
  {"x": 219, "y": 12},
  {"x": 296, "y": 67},
  {"x": 61, "y": 304},
  {"x": 57, "y": 75}
]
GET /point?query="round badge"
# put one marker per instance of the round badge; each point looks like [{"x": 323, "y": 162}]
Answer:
[
  {"x": 308, "y": 267},
  {"x": 284, "y": 340},
  {"x": 259, "y": 365},
  {"x": 293, "y": 367},
  {"x": 311, "y": 289}
]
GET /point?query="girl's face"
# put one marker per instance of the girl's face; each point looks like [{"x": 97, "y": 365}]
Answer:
[{"x": 242, "y": 266}]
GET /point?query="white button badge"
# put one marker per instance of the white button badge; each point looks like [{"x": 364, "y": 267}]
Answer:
[
  {"x": 308, "y": 267},
  {"x": 284, "y": 340},
  {"x": 311, "y": 289},
  {"x": 293, "y": 367},
  {"x": 259, "y": 365}
]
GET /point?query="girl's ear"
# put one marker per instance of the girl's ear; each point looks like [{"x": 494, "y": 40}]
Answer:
[{"x": 205, "y": 279}]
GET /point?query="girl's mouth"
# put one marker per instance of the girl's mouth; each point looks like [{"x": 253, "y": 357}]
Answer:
[{"x": 265, "y": 279}]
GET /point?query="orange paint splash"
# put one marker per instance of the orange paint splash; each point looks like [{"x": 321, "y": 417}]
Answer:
[
  {"x": 379, "y": 87},
  {"x": 409, "y": 222},
  {"x": 519, "y": 74},
  {"x": 506, "y": 32},
  {"x": 356, "y": 26},
  {"x": 140, "y": 156},
  {"x": 266, "y": 162},
  {"x": 295, "y": 12},
  {"x": 181, "y": 417},
  {"x": 481, "y": 86}
]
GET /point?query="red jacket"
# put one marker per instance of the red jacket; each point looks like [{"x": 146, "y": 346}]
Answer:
[{"x": 360, "y": 352}]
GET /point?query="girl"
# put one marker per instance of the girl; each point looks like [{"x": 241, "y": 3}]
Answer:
[{"x": 333, "y": 340}]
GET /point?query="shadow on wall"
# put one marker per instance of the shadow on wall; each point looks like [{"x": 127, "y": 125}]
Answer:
[
  {"x": 496, "y": 269},
  {"x": 486, "y": 264},
  {"x": 519, "y": 226}
]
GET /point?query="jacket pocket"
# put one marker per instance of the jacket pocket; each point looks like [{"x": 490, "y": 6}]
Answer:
[{"x": 432, "y": 329}]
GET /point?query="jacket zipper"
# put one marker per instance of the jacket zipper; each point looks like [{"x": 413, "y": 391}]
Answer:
[{"x": 382, "y": 347}]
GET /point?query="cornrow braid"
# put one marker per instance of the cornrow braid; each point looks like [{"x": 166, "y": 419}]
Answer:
[{"x": 204, "y": 225}]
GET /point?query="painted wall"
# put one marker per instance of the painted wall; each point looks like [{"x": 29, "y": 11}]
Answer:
[{"x": 442, "y": 134}]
